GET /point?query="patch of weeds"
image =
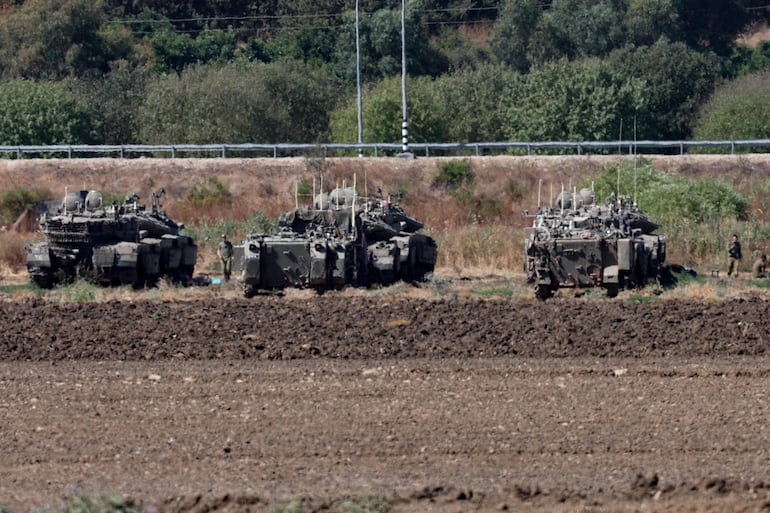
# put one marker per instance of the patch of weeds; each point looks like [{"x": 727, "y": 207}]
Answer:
[
  {"x": 12, "y": 290},
  {"x": 305, "y": 186},
  {"x": 493, "y": 292},
  {"x": 366, "y": 504},
  {"x": 515, "y": 191},
  {"x": 79, "y": 291},
  {"x": 641, "y": 298},
  {"x": 760, "y": 283},
  {"x": 95, "y": 503},
  {"x": 16, "y": 201},
  {"x": 209, "y": 193},
  {"x": 394, "y": 289},
  {"x": 286, "y": 506},
  {"x": 453, "y": 175}
]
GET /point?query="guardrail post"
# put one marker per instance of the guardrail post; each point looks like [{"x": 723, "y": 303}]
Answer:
[
  {"x": 69, "y": 152},
  {"x": 223, "y": 151},
  {"x": 477, "y": 149}
]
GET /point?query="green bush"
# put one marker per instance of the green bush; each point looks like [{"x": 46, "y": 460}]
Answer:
[
  {"x": 14, "y": 202},
  {"x": 453, "y": 174},
  {"x": 209, "y": 193},
  {"x": 34, "y": 113},
  {"x": 672, "y": 199},
  {"x": 740, "y": 109},
  {"x": 239, "y": 103},
  {"x": 208, "y": 231}
]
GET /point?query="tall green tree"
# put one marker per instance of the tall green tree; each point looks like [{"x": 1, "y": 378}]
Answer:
[
  {"x": 239, "y": 103},
  {"x": 712, "y": 24},
  {"x": 583, "y": 100},
  {"x": 647, "y": 21},
  {"x": 34, "y": 113},
  {"x": 53, "y": 39},
  {"x": 739, "y": 109},
  {"x": 516, "y": 22},
  {"x": 677, "y": 80},
  {"x": 113, "y": 100},
  {"x": 382, "y": 113}
]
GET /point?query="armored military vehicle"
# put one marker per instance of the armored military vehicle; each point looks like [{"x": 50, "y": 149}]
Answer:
[
  {"x": 341, "y": 239},
  {"x": 579, "y": 244},
  {"x": 117, "y": 244}
]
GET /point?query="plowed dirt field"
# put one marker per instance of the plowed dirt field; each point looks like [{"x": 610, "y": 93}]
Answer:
[{"x": 333, "y": 403}]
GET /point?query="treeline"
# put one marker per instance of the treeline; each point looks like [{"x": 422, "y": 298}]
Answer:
[{"x": 204, "y": 71}]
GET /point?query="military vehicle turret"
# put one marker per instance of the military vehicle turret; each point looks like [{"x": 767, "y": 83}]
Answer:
[
  {"x": 117, "y": 244},
  {"x": 341, "y": 239},
  {"x": 579, "y": 244}
]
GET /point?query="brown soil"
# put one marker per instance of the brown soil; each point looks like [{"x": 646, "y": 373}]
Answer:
[{"x": 440, "y": 405}]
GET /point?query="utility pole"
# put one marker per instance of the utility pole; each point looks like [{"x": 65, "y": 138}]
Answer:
[
  {"x": 404, "y": 121},
  {"x": 358, "y": 86}
]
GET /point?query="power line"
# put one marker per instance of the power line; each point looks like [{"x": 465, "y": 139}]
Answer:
[{"x": 274, "y": 17}]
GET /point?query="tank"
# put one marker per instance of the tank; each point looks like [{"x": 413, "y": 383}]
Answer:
[
  {"x": 117, "y": 244},
  {"x": 339, "y": 240},
  {"x": 579, "y": 244}
]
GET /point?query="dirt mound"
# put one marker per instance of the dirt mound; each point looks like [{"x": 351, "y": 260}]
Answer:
[{"x": 336, "y": 326}]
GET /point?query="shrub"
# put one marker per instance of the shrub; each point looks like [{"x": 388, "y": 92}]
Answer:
[
  {"x": 738, "y": 110},
  {"x": 209, "y": 193},
  {"x": 14, "y": 202},
  {"x": 42, "y": 113},
  {"x": 453, "y": 174}
]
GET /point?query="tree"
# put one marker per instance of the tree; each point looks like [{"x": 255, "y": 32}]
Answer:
[
  {"x": 475, "y": 102},
  {"x": 515, "y": 24},
  {"x": 677, "y": 80},
  {"x": 647, "y": 21},
  {"x": 113, "y": 100},
  {"x": 239, "y": 102},
  {"x": 583, "y": 100},
  {"x": 53, "y": 39},
  {"x": 712, "y": 24},
  {"x": 380, "y": 42},
  {"x": 33, "y": 113},
  {"x": 382, "y": 113},
  {"x": 739, "y": 109}
]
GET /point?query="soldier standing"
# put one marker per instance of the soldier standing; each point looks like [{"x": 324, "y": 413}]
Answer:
[
  {"x": 225, "y": 254},
  {"x": 734, "y": 254}
]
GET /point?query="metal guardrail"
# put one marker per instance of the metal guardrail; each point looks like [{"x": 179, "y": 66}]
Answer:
[{"x": 378, "y": 149}]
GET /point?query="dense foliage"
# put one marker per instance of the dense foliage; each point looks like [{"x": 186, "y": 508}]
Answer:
[
  {"x": 279, "y": 71},
  {"x": 738, "y": 110}
]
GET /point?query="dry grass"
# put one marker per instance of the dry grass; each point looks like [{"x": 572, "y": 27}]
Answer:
[{"x": 12, "y": 253}]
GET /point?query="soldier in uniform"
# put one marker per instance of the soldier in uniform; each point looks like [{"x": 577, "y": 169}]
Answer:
[
  {"x": 225, "y": 254},
  {"x": 760, "y": 268},
  {"x": 734, "y": 255}
]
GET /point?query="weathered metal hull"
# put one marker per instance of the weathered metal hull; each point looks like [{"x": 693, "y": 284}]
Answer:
[{"x": 120, "y": 245}]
